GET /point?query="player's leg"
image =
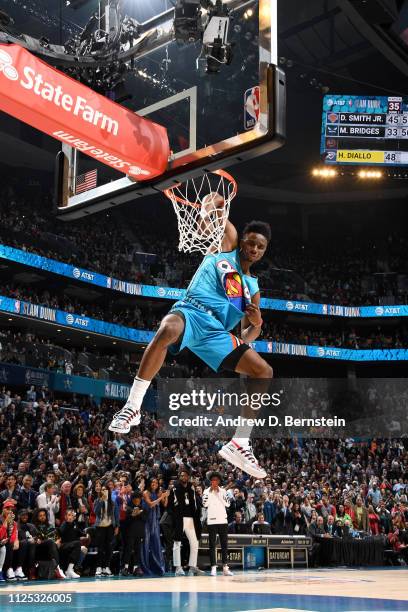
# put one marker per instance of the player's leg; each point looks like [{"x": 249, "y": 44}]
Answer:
[
  {"x": 239, "y": 450},
  {"x": 170, "y": 330}
]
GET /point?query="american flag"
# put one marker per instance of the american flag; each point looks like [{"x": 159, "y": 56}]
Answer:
[{"x": 86, "y": 181}]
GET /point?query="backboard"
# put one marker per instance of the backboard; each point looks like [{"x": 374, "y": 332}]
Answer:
[{"x": 215, "y": 114}]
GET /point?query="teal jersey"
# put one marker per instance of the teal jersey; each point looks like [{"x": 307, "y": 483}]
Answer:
[{"x": 222, "y": 288}]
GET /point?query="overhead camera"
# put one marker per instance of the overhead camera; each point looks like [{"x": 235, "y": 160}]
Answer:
[
  {"x": 188, "y": 26},
  {"x": 217, "y": 51},
  {"x": 209, "y": 21}
]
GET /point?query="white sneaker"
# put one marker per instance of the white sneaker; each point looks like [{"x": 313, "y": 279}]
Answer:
[
  {"x": 71, "y": 574},
  {"x": 126, "y": 418},
  {"x": 243, "y": 458},
  {"x": 59, "y": 573},
  {"x": 226, "y": 571},
  {"x": 19, "y": 574},
  {"x": 10, "y": 575},
  {"x": 107, "y": 572},
  {"x": 179, "y": 572},
  {"x": 213, "y": 570},
  {"x": 98, "y": 571}
]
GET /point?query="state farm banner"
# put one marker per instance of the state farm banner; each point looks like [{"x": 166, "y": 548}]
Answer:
[{"x": 45, "y": 98}]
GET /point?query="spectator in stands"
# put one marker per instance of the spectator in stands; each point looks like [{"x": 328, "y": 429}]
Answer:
[
  {"x": 374, "y": 521},
  {"x": 9, "y": 543},
  {"x": 238, "y": 525},
  {"x": 284, "y": 518},
  {"x": 70, "y": 548},
  {"x": 260, "y": 526},
  {"x": 27, "y": 496},
  {"x": 12, "y": 490},
  {"x": 152, "y": 554},
  {"x": 299, "y": 526},
  {"x": 360, "y": 521},
  {"x": 80, "y": 505},
  {"x": 375, "y": 493},
  {"x": 133, "y": 535},
  {"x": 107, "y": 526},
  {"x": 330, "y": 527},
  {"x": 26, "y": 538},
  {"x": 46, "y": 539},
  {"x": 185, "y": 507},
  {"x": 250, "y": 509},
  {"x": 49, "y": 501},
  {"x": 216, "y": 500}
]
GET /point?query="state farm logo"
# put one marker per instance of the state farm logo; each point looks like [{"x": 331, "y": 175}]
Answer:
[
  {"x": 379, "y": 311},
  {"x": 6, "y": 66},
  {"x": 76, "y": 272},
  {"x": 69, "y": 319}
]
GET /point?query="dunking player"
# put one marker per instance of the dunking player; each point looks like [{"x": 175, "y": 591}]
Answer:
[{"x": 221, "y": 294}]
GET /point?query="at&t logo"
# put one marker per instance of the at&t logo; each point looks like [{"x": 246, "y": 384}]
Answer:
[
  {"x": 70, "y": 319},
  {"x": 76, "y": 272},
  {"x": 6, "y": 66},
  {"x": 379, "y": 311},
  {"x": 161, "y": 292},
  {"x": 321, "y": 352},
  {"x": 289, "y": 305}
]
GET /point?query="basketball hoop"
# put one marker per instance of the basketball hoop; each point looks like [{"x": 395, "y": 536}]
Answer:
[{"x": 202, "y": 207}]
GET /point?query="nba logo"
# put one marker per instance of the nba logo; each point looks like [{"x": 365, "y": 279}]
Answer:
[
  {"x": 324, "y": 309},
  {"x": 270, "y": 347},
  {"x": 17, "y": 304},
  {"x": 251, "y": 107},
  {"x": 109, "y": 282}
]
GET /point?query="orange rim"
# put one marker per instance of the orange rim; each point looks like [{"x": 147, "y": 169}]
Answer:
[{"x": 169, "y": 192}]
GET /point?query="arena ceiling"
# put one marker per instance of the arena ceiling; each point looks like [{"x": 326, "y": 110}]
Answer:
[{"x": 321, "y": 49}]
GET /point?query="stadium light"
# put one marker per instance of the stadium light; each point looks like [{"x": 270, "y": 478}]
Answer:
[
  {"x": 324, "y": 172},
  {"x": 370, "y": 174}
]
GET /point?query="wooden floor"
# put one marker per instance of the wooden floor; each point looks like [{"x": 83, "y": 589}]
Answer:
[{"x": 373, "y": 584}]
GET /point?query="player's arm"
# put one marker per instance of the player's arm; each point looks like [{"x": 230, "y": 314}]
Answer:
[
  {"x": 213, "y": 207},
  {"x": 251, "y": 324}
]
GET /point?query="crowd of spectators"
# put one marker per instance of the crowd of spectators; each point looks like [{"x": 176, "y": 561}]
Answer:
[
  {"x": 142, "y": 317},
  {"x": 68, "y": 489},
  {"x": 27, "y": 348},
  {"x": 291, "y": 269}
]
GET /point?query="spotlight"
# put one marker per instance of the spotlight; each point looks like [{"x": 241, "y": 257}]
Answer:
[
  {"x": 324, "y": 172},
  {"x": 370, "y": 174},
  {"x": 248, "y": 13}
]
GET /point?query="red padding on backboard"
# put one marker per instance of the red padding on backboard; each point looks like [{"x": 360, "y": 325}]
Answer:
[{"x": 45, "y": 98}]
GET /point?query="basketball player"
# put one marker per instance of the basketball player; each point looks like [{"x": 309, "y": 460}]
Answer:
[{"x": 221, "y": 294}]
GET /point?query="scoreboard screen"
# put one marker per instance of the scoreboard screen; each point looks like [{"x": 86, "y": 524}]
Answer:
[{"x": 370, "y": 130}]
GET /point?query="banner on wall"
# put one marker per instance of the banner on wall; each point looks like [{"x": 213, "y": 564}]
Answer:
[
  {"x": 174, "y": 294},
  {"x": 112, "y": 330}
]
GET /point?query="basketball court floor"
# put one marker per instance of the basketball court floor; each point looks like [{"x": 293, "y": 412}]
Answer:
[{"x": 325, "y": 590}]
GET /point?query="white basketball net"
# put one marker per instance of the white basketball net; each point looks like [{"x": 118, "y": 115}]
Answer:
[{"x": 202, "y": 207}]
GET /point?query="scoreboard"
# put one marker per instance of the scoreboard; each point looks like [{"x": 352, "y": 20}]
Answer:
[{"x": 369, "y": 130}]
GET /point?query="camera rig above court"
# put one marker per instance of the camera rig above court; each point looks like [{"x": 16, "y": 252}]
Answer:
[{"x": 106, "y": 49}]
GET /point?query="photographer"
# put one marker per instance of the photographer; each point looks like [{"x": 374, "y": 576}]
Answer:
[{"x": 216, "y": 500}]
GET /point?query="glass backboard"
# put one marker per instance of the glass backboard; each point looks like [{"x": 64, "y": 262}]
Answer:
[{"x": 216, "y": 113}]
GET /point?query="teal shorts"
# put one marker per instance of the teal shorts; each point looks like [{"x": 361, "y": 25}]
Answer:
[{"x": 205, "y": 336}]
